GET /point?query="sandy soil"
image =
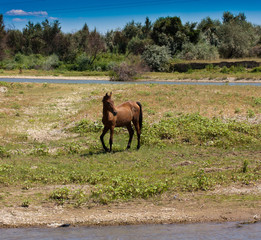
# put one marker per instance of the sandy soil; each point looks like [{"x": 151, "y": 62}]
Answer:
[
  {"x": 188, "y": 208},
  {"x": 231, "y": 79}
]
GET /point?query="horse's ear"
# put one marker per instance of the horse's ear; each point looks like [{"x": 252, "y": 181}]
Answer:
[
  {"x": 106, "y": 94},
  {"x": 110, "y": 94}
]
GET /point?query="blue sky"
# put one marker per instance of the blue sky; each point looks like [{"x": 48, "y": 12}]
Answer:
[{"x": 108, "y": 15}]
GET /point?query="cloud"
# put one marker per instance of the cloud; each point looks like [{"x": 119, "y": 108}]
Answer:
[
  {"x": 53, "y": 18},
  {"x": 19, "y": 12},
  {"x": 19, "y": 20}
]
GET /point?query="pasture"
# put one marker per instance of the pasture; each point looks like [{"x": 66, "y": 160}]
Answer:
[{"x": 194, "y": 139}]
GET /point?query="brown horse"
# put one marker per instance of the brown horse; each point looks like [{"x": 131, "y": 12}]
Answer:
[{"x": 121, "y": 116}]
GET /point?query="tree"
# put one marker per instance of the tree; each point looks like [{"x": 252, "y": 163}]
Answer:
[
  {"x": 14, "y": 41},
  {"x": 49, "y": 33},
  {"x": 209, "y": 28},
  {"x": 137, "y": 46},
  {"x": 170, "y": 32},
  {"x": 95, "y": 45},
  {"x": 120, "y": 42},
  {"x": 236, "y": 36},
  {"x": 33, "y": 43},
  {"x": 146, "y": 29},
  {"x": 132, "y": 30},
  {"x": 2, "y": 37}
]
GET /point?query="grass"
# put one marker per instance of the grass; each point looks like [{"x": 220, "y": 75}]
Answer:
[
  {"x": 209, "y": 73},
  {"x": 197, "y": 137}
]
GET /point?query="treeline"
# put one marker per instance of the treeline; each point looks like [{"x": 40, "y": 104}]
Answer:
[{"x": 44, "y": 45}]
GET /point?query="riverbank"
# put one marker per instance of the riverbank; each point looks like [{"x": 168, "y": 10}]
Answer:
[
  {"x": 148, "y": 78},
  {"x": 231, "y": 204}
]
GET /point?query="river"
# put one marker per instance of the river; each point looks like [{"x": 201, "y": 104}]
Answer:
[
  {"x": 213, "y": 231},
  {"x": 38, "y": 80}
]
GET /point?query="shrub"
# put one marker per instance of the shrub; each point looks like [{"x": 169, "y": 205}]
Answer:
[
  {"x": 85, "y": 126},
  {"x": 256, "y": 70},
  {"x": 3, "y": 152},
  {"x": 82, "y": 62},
  {"x": 51, "y": 62},
  {"x": 156, "y": 57},
  {"x": 199, "y": 51},
  {"x": 124, "y": 72},
  {"x": 60, "y": 195},
  {"x": 136, "y": 46}
]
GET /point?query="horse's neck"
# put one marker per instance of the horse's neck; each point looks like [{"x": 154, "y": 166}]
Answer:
[{"x": 106, "y": 112}]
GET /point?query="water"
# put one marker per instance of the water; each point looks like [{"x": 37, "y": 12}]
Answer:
[
  {"x": 213, "y": 231},
  {"x": 139, "y": 82}
]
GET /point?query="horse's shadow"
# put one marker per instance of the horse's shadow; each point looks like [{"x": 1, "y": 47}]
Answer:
[{"x": 102, "y": 152}]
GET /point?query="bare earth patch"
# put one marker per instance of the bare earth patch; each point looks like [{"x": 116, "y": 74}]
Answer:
[{"x": 190, "y": 207}]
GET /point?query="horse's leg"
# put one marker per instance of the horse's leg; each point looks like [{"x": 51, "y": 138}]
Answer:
[
  {"x": 111, "y": 137},
  {"x": 138, "y": 130},
  {"x": 131, "y": 132},
  {"x": 105, "y": 130}
]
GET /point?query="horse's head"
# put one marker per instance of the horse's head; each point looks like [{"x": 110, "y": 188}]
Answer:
[{"x": 108, "y": 104}]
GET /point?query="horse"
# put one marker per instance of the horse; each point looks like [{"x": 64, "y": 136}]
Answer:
[{"x": 121, "y": 116}]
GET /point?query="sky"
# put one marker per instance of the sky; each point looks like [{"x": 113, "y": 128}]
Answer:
[{"x": 111, "y": 15}]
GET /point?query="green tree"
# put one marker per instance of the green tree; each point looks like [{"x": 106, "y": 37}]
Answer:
[
  {"x": 208, "y": 29},
  {"x": 49, "y": 33},
  {"x": 132, "y": 30},
  {"x": 170, "y": 32},
  {"x": 147, "y": 28},
  {"x": 33, "y": 36},
  {"x": 236, "y": 36},
  {"x": 137, "y": 46},
  {"x": 2, "y": 37},
  {"x": 14, "y": 41}
]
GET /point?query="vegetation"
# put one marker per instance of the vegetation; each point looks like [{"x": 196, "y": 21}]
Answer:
[
  {"x": 198, "y": 137},
  {"x": 44, "y": 46}
]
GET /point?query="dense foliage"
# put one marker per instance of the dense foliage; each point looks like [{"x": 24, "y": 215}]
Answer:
[{"x": 45, "y": 46}]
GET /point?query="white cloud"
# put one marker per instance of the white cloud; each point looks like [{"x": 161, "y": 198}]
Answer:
[
  {"x": 53, "y": 18},
  {"x": 19, "y": 20},
  {"x": 19, "y": 12}
]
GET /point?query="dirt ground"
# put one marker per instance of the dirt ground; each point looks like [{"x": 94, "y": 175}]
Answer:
[
  {"x": 188, "y": 208},
  {"x": 156, "y": 78}
]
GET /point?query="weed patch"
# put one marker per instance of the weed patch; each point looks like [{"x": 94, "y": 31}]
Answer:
[{"x": 196, "y": 129}]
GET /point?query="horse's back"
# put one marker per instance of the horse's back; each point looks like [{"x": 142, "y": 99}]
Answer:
[{"x": 126, "y": 112}]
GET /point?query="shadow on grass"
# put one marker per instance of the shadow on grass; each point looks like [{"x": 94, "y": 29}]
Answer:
[{"x": 101, "y": 151}]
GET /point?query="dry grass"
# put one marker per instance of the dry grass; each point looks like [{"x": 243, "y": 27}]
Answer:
[{"x": 43, "y": 111}]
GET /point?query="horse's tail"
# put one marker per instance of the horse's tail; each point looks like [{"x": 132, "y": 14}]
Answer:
[{"x": 140, "y": 117}]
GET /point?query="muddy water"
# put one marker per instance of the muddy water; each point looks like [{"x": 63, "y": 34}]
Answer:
[
  {"x": 138, "y": 82},
  {"x": 213, "y": 231}
]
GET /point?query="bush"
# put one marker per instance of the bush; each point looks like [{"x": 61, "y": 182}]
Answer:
[
  {"x": 3, "y": 152},
  {"x": 124, "y": 72},
  {"x": 156, "y": 57},
  {"x": 51, "y": 62},
  {"x": 82, "y": 62},
  {"x": 199, "y": 51},
  {"x": 85, "y": 126},
  {"x": 256, "y": 70},
  {"x": 136, "y": 46}
]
